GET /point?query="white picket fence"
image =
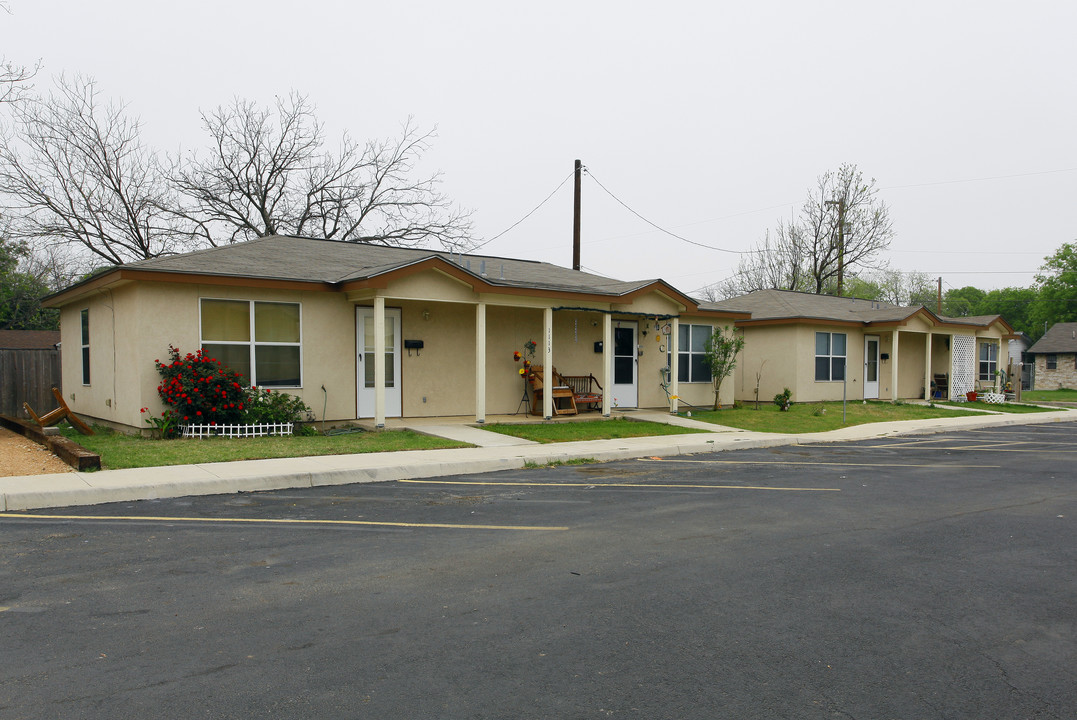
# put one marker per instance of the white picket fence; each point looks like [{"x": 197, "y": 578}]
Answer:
[{"x": 236, "y": 431}]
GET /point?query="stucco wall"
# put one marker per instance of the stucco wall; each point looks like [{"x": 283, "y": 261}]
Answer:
[
  {"x": 784, "y": 355},
  {"x": 438, "y": 380},
  {"x": 912, "y": 349}
]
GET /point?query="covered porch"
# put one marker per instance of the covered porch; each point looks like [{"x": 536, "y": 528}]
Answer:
[
  {"x": 435, "y": 345},
  {"x": 938, "y": 362}
]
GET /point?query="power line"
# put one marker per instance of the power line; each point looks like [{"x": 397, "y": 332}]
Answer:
[
  {"x": 662, "y": 229},
  {"x": 510, "y": 227},
  {"x": 981, "y": 179}
]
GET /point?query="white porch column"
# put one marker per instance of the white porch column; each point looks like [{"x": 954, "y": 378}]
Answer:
[
  {"x": 547, "y": 363},
  {"x": 674, "y": 364},
  {"x": 894, "y": 368},
  {"x": 379, "y": 361},
  {"x": 480, "y": 363},
  {"x": 607, "y": 362},
  {"x": 998, "y": 365},
  {"x": 927, "y": 369}
]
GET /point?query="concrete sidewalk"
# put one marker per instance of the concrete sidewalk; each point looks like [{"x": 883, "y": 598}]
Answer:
[{"x": 494, "y": 452}]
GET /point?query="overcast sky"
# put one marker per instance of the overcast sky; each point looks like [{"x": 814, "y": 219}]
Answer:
[{"x": 711, "y": 119}]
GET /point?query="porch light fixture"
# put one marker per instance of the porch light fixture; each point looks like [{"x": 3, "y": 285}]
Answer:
[{"x": 426, "y": 314}]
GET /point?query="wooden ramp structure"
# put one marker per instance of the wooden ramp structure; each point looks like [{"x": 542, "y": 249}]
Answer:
[{"x": 60, "y": 413}]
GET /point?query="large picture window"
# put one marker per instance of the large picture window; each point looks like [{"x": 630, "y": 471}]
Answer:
[
  {"x": 829, "y": 356},
  {"x": 85, "y": 347},
  {"x": 988, "y": 360},
  {"x": 260, "y": 340},
  {"x": 692, "y": 363}
]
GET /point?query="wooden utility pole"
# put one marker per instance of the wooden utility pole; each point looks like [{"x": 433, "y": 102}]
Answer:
[
  {"x": 938, "y": 299},
  {"x": 840, "y": 202},
  {"x": 576, "y": 219}
]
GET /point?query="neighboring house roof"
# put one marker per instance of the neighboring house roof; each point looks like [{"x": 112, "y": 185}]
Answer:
[
  {"x": 769, "y": 306},
  {"x": 29, "y": 339},
  {"x": 342, "y": 265},
  {"x": 1061, "y": 338},
  {"x": 788, "y": 305}
]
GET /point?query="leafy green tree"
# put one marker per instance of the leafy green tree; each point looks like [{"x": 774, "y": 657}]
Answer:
[
  {"x": 962, "y": 302},
  {"x": 721, "y": 352},
  {"x": 1015, "y": 305},
  {"x": 1057, "y": 289},
  {"x": 21, "y": 292}
]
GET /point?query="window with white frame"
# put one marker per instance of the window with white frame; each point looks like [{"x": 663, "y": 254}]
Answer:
[
  {"x": 692, "y": 365},
  {"x": 85, "y": 347},
  {"x": 988, "y": 361},
  {"x": 829, "y": 356},
  {"x": 260, "y": 340}
]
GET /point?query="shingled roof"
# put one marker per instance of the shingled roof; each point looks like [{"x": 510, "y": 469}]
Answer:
[
  {"x": 1061, "y": 338},
  {"x": 787, "y": 304},
  {"x": 29, "y": 339},
  {"x": 337, "y": 263},
  {"x": 771, "y": 305}
]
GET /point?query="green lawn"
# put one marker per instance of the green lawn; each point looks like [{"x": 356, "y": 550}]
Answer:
[
  {"x": 118, "y": 450},
  {"x": 588, "y": 430},
  {"x": 1004, "y": 407},
  {"x": 1064, "y": 395},
  {"x": 819, "y": 417}
]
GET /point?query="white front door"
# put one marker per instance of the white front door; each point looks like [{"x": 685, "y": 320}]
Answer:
[
  {"x": 871, "y": 367},
  {"x": 364, "y": 362},
  {"x": 625, "y": 364}
]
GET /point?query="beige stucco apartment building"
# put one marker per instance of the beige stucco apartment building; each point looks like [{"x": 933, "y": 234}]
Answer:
[
  {"x": 364, "y": 331},
  {"x": 821, "y": 347}
]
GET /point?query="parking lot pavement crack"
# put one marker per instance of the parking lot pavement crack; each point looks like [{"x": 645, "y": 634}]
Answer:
[
  {"x": 1004, "y": 678},
  {"x": 991, "y": 509}
]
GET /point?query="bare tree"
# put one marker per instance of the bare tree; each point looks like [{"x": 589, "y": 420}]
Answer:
[
  {"x": 74, "y": 173},
  {"x": 14, "y": 78},
  {"x": 892, "y": 286},
  {"x": 844, "y": 226},
  {"x": 808, "y": 252},
  {"x": 269, "y": 173},
  {"x": 776, "y": 263}
]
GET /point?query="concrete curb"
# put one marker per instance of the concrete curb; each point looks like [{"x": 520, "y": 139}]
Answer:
[{"x": 82, "y": 488}]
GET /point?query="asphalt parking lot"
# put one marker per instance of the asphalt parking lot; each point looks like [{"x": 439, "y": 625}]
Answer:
[{"x": 914, "y": 577}]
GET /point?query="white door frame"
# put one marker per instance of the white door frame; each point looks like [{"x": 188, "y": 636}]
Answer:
[
  {"x": 871, "y": 387},
  {"x": 365, "y": 396},
  {"x": 625, "y": 394}
]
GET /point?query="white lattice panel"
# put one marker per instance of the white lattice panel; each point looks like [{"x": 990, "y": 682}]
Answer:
[{"x": 963, "y": 365}]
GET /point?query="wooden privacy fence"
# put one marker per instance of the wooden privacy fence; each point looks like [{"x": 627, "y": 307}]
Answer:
[{"x": 28, "y": 376}]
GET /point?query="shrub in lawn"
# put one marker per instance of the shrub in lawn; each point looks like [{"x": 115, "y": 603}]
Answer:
[
  {"x": 264, "y": 406},
  {"x": 782, "y": 399},
  {"x": 199, "y": 390}
]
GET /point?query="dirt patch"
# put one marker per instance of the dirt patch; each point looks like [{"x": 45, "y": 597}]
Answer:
[{"x": 20, "y": 456}]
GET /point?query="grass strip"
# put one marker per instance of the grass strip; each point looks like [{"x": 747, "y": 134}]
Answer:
[
  {"x": 820, "y": 417},
  {"x": 1063, "y": 395},
  {"x": 1000, "y": 407},
  {"x": 555, "y": 432},
  {"x": 118, "y": 450}
]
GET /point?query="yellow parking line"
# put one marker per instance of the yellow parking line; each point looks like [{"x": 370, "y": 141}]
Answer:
[
  {"x": 809, "y": 462},
  {"x": 280, "y": 521},
  {"x": 623, "y": 485}
]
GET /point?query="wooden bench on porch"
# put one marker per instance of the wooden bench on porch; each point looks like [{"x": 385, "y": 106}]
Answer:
[{"x": 585, "y": 390}]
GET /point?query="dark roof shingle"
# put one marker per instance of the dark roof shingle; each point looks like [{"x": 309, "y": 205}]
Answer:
[{"x": 1061, "y": 338}]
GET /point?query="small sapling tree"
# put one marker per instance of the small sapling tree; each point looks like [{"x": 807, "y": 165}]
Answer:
[{"x": 721, "y": 350}]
